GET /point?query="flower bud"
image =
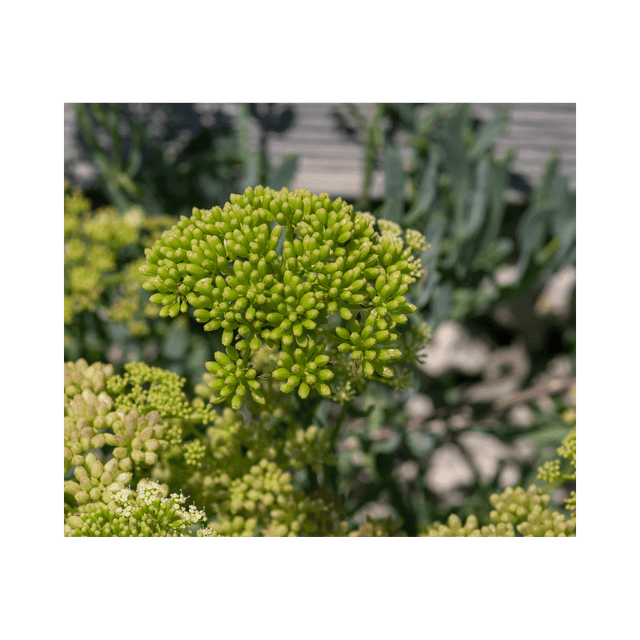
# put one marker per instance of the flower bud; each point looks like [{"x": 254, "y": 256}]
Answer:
[
  {"x": 75, "y": 522},
  {"x": 388, "y": 354},
  {"x": 383, "y": 370},
  {"x": 96, "y": 469},
  {"x": 82, "y": 497},
  {"x": 293, "y": 381},
  {"x": 98, "y": 441},
  {"x": 323, "y": 389},
  {"x": 152, "y": 444},
  {"x": 281, "y": 374},
  {"x": 222, "y": 361},
  {"x": 216, "y": 369},
  {"x": 303, "y": 390},
  {"x": 71, "y": 487}
]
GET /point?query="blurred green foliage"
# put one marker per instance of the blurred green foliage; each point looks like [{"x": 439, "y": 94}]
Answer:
[
  {"x": 453, "y": 191},
  {"x": 103, "y": 250},
  {"x": 161, "y": 158}
]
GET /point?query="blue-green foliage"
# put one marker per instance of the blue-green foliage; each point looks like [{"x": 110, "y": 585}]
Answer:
[
  {"x": 453, "y": 192},
  {"x": 135, "y": 168}
]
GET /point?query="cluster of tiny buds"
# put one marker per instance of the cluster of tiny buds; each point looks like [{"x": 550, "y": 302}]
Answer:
[
  {"x": 272, "y": 268},
  {"x": 144, "y": 512},
  {"x": 310, "y": 446},
  {"x": 515, "y": 504},
  {"x": 471, "y": 529},
  {"x": 91, "y": 246},
  {"x": 152, "y": 494},
  {"x": 544, "y": 523},
  {"x": 79, "y": 376}
]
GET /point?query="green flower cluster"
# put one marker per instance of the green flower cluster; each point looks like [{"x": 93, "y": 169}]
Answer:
[
  {"x": 517, "y": 511},
  {"x": 232, "y": 377},
  {"x": 154, "y": 389},
  {"x": 204, "y": 465},
  {"x": 116, "y": 426},
  {"x": 310, "y": 446},
  {"x": 263, "y": 501},
  {"x": 295, "y": 271},
  {"x": 414, "y": 341},
  {"x": 241, "y": 471},
  {"x": 79, "y": 376},
  {"x": 471, "y": 529},
  {"x": 568, "y": 451},
  {"x": 252, "y": 498},
  {"x": 92, "y": 243},
  {"x": 317, "y": 514},
  {"x": 145, "y": 512},
  {"x": 526, "y": 510},
  {"x": 548, "y": 524},
  {"x": 135, "y": 440},
  {"x": 556, "y": 472}
]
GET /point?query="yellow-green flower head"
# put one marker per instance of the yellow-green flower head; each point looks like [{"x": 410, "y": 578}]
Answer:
[
  {"x": 92, "y": 243},
  {"x": 271, "y": 267},
  {"x": 145, "y": 512},
  {"x": 310, "y": 446},
  {"x": 471, "y": 529},
  {"x": 154, "y": 389}
]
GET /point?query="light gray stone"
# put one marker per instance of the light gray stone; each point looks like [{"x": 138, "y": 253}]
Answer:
[{"x": 453, "y": 348}]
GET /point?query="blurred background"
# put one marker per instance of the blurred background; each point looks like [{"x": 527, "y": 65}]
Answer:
[{"x": 491, "y": 186}]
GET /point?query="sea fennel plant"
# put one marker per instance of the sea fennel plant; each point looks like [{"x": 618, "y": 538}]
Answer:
[{"x": 309, "y": 297}]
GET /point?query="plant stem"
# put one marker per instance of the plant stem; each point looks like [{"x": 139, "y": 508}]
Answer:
[{"x": 330, "y": 473}]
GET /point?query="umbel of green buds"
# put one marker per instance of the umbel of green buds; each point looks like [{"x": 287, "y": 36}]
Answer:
[{"x": 299, "y": 272}]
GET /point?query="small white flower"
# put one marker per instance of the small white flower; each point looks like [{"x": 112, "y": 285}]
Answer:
[{"x": 123, "y": 496}]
